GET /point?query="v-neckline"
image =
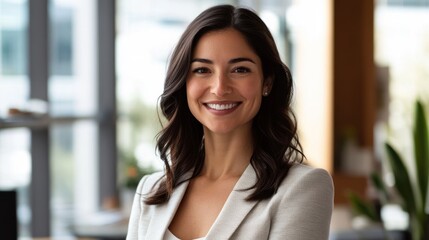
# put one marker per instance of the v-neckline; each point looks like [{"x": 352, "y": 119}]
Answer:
[
  {"x": 234, "y": 210},
  {"x": 235, "y": 207},
  {"x": 191, "y": 184}
]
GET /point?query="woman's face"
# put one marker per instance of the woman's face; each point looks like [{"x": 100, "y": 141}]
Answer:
[{"x": 225, "y": 82}]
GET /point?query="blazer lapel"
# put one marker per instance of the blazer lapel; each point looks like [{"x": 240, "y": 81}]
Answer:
[
  {"x": 163, "y": 214},
  {"x": 236, "y": 207}
]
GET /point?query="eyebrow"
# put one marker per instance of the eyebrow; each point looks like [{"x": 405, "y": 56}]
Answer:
[{"x": 234, "y": 60}]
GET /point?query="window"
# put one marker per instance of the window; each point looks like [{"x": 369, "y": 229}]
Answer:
[
  {"x": 72, "y": 92},
  {"x": 401, "y": 40},
  {"x": 45, "y": 157},
  {"x": 15, "y": 159}
]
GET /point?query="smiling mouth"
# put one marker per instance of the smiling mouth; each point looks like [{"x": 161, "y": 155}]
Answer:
[{"x": 221, "y": 107}]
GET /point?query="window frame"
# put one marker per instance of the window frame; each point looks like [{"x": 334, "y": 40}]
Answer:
[{"x": 38, "y": 74}]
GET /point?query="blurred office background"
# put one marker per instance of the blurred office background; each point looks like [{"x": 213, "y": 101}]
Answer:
[{"x": 80, "y": 81}]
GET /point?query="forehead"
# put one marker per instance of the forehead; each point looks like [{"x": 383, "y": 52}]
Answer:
[{"x": 225, "y": 43}]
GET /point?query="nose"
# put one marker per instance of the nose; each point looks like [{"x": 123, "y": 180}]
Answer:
[{"x": 221, "y": 85}]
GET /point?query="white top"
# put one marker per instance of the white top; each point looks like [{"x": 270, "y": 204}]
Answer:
[{"x": 170, "y": 236}]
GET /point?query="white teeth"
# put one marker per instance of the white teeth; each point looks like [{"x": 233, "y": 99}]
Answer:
[{"x": 221, "y": 106}]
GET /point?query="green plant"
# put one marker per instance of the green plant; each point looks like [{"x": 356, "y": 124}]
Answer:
[
  {"x": 370, "y": 209},
  {"x": 412, "y": 191},
  {"x": 364, "y": 208},
  {"x": 133, "y": 172}
]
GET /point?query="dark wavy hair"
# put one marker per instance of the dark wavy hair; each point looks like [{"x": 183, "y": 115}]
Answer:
[{"x": 274, "y": 129}]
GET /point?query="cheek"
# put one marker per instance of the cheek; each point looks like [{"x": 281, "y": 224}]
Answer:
[
  {"x": 192, "y": 90},
  {"x": 252, "y": 90}
]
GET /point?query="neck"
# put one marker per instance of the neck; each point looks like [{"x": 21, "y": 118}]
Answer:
[{"x": 226, "y": 156}]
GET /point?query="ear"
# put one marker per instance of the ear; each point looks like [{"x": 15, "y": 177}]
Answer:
[{"x": 267, "y": 86}]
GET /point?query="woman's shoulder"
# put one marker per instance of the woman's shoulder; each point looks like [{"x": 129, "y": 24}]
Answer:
[
  {"x": 302, "y": 176},
  {"x": 303, "y": 169},
  {"x": 148, "y": 182},
  {"x": 306, "y": 188}
]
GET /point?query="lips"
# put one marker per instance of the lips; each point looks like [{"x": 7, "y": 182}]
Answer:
[{"x": 221, "y": 107}]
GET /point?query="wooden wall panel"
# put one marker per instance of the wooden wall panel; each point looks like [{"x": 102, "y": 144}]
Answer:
[{"x": 354, "y": 71}]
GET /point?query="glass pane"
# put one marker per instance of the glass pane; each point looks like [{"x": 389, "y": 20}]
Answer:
[
  {"x": 13, "y": 55},
  {"x": 72, "y": 92},
  {"x": 73, "y": 178},
  {"x": 15, "y": 159},
  {"x": 62, "y": 176},
  {"x": 72, "y": 57},
  {"x": 401, "y": 48}
]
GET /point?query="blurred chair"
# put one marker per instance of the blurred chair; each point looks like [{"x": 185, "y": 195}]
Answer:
[{"x": 8, "y": 215}]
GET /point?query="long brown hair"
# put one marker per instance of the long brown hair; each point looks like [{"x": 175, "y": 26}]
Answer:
[{"x": 274, "y": 130}]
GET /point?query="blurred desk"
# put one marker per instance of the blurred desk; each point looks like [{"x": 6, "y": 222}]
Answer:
[
  {"x": 105, "y": 226},
  {"x": 342, "y": 228}
]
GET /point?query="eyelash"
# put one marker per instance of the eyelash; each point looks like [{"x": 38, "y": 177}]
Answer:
[
  {"x": 202, "y": 70},
  {"x": 241, "y": 70}
]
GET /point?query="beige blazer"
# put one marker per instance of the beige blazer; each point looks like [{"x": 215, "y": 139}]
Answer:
[{"x": 300, "y": 210}]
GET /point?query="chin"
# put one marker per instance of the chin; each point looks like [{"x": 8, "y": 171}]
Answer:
[{"x": 225, "y": 129}]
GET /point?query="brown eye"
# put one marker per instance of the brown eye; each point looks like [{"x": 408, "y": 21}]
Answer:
[
  {"x": 201, "y": 70},
  {"x": 241, "y": 70}
]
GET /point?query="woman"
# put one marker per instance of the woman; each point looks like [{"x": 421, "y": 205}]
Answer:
[{"x": 233, "y": 162}]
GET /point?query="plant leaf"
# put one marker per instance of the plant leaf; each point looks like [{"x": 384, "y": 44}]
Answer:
[
  {"x": 402, "y": 179},
  {"x": 380, "y": 186},
  {"x": 363, "y": 208},
  {"x": 421, "y": 150}
]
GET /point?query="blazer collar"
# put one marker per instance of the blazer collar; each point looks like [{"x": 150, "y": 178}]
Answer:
[
  {"x": 236, "y": 207},
  {"x": 232, "y": 214},
  {"x": 163, "y": 214}
]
